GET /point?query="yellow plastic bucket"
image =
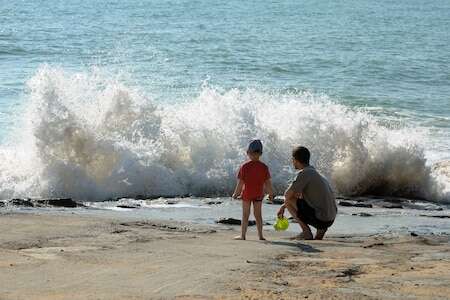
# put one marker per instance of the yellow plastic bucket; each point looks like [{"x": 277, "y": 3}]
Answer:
[{"x": 281, "y": 224}]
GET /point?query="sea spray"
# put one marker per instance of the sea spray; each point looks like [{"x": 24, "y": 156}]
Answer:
[{"x": 90, "y": 137}]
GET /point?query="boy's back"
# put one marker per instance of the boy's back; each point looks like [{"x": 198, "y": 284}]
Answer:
[{"x": 254, "y": 173}]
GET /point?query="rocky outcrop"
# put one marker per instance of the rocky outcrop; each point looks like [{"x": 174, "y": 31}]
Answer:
[
  {"x": 61, "y": 202},
  {"x": 437, "y": 216},
  {"x": 362, "y": 214},
  {"x": 277, "y": 200},
  {"x": 232, "y": 221},
  {"x": 355, "y": 204},
  {"x": 19, "y": 202},
  {"x": 213, "y": 202},
  {"x": 128, "y": 206},
  {"x": 56, "y": 202}
]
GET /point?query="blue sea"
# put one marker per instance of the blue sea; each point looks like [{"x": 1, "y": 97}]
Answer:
[{"x": 107, "y": 99}]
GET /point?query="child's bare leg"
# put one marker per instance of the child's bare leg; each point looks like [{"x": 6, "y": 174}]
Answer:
[
  {"x": 244, "y": 223},
  {"x": 257, "y": 211}
]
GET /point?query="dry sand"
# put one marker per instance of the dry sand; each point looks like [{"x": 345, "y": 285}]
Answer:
[{"x": 63, "y": 256}]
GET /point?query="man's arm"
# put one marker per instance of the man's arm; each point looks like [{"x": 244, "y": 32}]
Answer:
[
  {"x": 293, "y": 192},
  {"x": 238, "y": 189},
  {"x": 290, "y": 197}
]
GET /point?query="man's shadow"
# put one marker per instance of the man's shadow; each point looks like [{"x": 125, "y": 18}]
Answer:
[{"x": 296, "y": 244}]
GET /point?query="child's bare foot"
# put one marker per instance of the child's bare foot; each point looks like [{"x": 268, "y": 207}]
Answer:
[{"x": 239, "y": 238}]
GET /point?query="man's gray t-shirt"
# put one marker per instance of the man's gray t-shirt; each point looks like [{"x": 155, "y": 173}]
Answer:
[{"x": 317, "y": 193}]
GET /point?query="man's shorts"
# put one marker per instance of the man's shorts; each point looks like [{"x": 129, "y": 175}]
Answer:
[{"x": 307, "y": 215}]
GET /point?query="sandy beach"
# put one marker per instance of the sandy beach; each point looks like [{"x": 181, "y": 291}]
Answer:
[{"x": 71, "y": 256}]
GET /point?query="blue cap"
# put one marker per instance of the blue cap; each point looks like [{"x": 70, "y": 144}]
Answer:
[{"x": 255, "y": 146}]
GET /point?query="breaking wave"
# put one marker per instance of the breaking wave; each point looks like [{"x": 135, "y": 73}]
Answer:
[{"x": 89, "y": 137}]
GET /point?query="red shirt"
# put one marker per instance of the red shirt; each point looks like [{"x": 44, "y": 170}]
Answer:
[{"x": 254, "y": 174}]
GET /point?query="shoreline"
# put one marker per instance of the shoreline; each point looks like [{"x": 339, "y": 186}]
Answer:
[
  {"x": 356, "y": 216},
  {"x": 71, "y": 256}
]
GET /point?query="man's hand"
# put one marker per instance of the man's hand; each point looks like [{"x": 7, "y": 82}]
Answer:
[
  {"x": 271, "y": 197},
  {"x": 280, "y": 212},
  {"x": 235, "y": 196}
]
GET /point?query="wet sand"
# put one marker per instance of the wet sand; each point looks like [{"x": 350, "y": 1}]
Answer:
[{"x": 64, "y": 256}]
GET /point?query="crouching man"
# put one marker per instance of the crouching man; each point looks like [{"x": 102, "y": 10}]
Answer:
[{"x": 309, "y": 199}]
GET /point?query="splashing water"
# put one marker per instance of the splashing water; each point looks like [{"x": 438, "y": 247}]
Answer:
[{"x": 92, "y": 138}]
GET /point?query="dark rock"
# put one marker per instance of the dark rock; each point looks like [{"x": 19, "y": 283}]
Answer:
[
  {"x": 212, "y": 202},
  {"x": 61, "y": 202},
  {"x": 154, "y": 197},
  {"x": 345, "y": 203},
  {"x": 232, "y": 221},
  {"x": 437, "y": 216},
  {"x": 229, "y": 221},
  {"x": 2, "y": 203},
  {"x": 392, "y": 206},
  {"x": 352, "y": 271},
  {"x": 366, "y": 205},
  {"x": 414, "y": 234},
  {"x": 363, "y": 214},
  {"x": 21, "y": 202},
  {"x": 57, "y": 202},
  {"x": 277, "y": 200},
  {"x": 128, "y": 206},
  {"x": 355, "y": 204}
]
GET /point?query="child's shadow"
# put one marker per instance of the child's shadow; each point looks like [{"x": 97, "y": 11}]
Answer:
[{"x": 303, "y": 247}]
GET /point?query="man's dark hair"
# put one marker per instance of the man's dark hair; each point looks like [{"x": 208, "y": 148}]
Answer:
[{"x": 301, "y": 154}]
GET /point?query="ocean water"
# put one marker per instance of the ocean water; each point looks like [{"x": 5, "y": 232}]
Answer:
[{"x": 105, "y": 99}]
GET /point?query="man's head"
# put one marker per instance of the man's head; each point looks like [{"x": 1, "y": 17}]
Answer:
[
  {"x": 255, "y": 149},
  {"x": 300, "y": 157}
]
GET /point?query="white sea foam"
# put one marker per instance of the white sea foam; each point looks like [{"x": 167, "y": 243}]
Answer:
[{"x": 92, "y": 138}]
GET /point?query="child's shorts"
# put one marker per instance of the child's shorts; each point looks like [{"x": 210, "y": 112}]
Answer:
[
  {"x": 254, "y": 200},
  {"x": 307, "y": 214}
]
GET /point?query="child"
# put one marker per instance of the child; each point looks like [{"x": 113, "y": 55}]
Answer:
[{"x": 253, "y": 177}]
